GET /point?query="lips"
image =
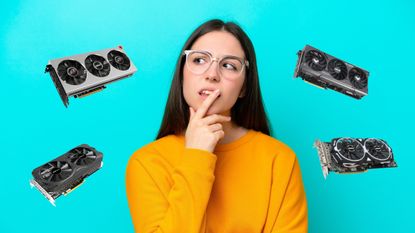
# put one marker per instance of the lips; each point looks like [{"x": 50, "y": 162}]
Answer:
[{"x": 206, "y": 92}]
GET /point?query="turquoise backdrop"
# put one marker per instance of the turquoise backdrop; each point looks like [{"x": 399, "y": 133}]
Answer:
[{"x": 36, "y": 127}]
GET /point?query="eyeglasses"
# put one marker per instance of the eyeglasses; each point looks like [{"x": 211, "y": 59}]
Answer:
[{"x": 199, "y": 61}]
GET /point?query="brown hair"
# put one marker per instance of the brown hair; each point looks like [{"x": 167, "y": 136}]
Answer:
[{"x": 248, "y": 110}]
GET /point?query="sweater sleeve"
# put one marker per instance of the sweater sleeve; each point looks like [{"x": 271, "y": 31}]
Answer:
[
  {"x": 292, "y": 216},
  {"x": 180, "y": 209},
  {"x": 288, "y": 206}
]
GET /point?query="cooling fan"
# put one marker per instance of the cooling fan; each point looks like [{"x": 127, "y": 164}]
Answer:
[
  {"x": 119, "y": 60},
  {"x": 72, "y": 72},
  {"x": 350, "y": 155},
  {"x": 82, "y": 156},
  {"x": 55, "y": 171},
  {"x": 84, "y": 74},
  {"x": 358, "y": 78},
  {"x": 315, "y": 60},
  {"x": 325, "y": 71},
  {"x": 97, "y": 65},
  {"x": 337, "y": 69},
  {"x": 66, "y": 172}
]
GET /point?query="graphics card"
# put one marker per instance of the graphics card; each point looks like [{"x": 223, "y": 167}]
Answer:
[
  {"x": 349, "y": 155},
  {"x": 326, "y": 71},
  {"x": 65, "y": 173},
  {"x": 87, "y": 73}
]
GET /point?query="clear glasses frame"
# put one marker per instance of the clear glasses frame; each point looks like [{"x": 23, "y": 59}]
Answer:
[{"x": 223, "y": 70}]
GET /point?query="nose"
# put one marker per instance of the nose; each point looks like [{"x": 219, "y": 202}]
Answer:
[{"x": 212, "y": 72}]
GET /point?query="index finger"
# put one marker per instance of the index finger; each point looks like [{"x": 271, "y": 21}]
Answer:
[{"x": 202, "y": 110}]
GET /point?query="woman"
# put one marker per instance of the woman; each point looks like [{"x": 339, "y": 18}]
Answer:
[{"x": 214, "y": 166}]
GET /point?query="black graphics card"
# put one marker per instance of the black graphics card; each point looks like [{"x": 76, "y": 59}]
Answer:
[
  {"x": 66, "y": 172},
  {"x": 326, "y": 71},
  {"x": 87, "y": 73},
  {"x": 350, "y": 155}
]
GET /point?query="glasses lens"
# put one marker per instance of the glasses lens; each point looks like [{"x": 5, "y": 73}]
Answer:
[
  {"x": 198, "y": 62},
  {"x": 231, "y": 67}
]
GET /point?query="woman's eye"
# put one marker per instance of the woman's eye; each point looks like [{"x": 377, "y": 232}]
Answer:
[
  {"x": 229, "y": 66},
  {"x": 199, "y": 60}
]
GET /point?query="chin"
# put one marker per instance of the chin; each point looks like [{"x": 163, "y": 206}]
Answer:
[
  {"x": 212, "y": 109},
  {"x": 218, "y": 111}
]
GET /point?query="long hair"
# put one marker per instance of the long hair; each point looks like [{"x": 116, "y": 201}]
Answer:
[{"x": 248, "y": 110}]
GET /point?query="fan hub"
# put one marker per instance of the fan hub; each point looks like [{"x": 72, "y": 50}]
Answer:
[
  {"x": 72, "y": 71},
  {"x": 119, "y": 60},
  {"x": 337, "y": 70},
  {"x": 98, "y": 65},
  {"x": 350, "y": 148},
  {"x": 55, "y": 170}
]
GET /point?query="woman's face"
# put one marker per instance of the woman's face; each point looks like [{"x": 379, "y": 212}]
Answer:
[{"x": 219, "y": 44}]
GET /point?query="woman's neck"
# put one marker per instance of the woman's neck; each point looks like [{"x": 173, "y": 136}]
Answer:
[{"x": 232, "y": 132}]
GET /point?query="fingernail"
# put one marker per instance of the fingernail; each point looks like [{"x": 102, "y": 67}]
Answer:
[{"x": 217, "y": 91}]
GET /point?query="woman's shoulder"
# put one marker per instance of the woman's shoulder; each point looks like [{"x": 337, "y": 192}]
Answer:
[
  {"x": 283, "y": 158},
  {"x": 274, "y": 146},
  {"x": 165, "y": 147}
]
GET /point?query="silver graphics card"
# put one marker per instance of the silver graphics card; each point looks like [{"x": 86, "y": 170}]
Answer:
[
  {"x": 325, "y": 71},
  {"x": 350, "y": 155},
  {"x": 87, "y": 73}
]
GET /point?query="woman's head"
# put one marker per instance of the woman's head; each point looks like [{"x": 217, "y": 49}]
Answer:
[
  {"x": 216, "y": 60},
  {"x": 217, "y": 55}
]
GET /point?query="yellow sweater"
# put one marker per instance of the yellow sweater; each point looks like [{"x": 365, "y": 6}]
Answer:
[{"x": 250, "y": 185}]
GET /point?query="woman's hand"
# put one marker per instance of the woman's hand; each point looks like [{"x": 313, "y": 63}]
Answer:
[{"x": 205, "y": 132}]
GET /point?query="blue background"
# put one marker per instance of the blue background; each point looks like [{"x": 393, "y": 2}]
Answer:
[{"x": 35, "y": 127}]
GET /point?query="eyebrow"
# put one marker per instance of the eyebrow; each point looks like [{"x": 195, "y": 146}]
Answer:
[{"x": 227, "y": 55}]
